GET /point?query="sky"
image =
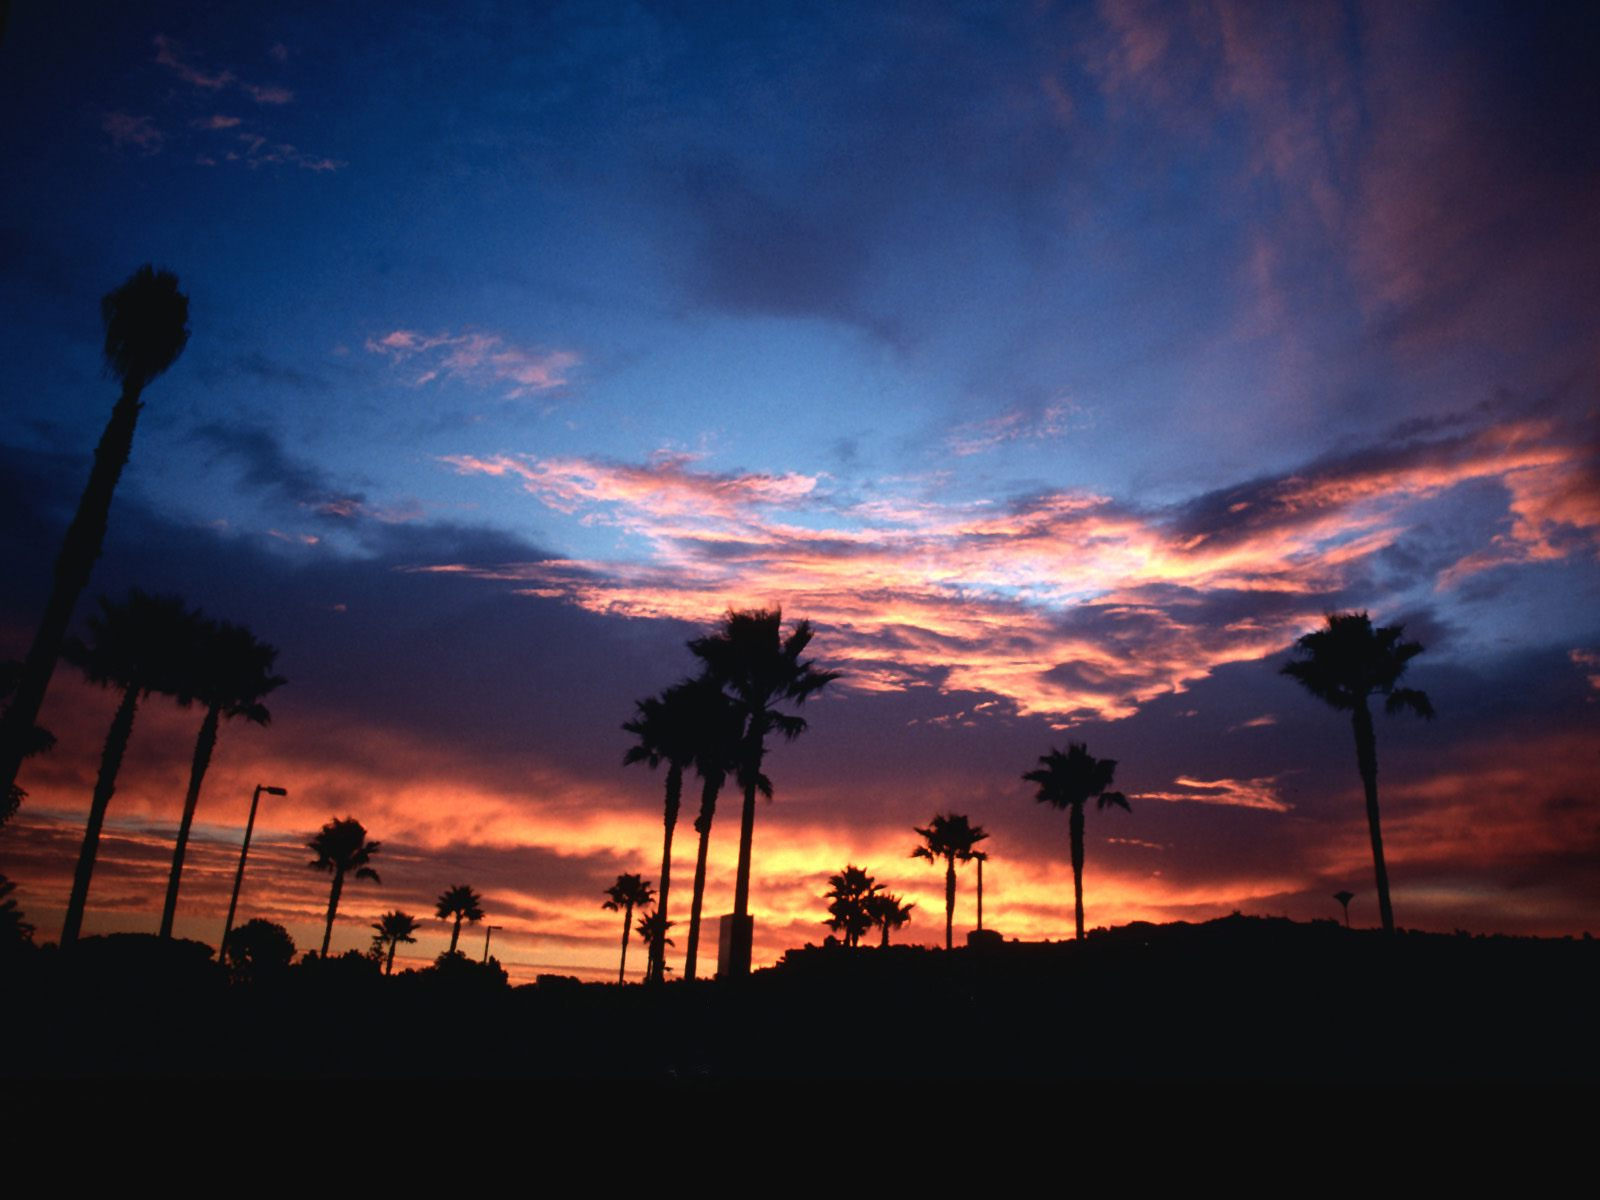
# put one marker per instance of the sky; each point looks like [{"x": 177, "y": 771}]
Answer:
[{"x": 1061, "y": 363}]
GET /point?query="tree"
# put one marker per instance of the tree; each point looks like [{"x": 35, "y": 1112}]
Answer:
[
  {"x": 37, "y": 739},
  {"x": 139, "y": 646},
  {"x": 229, "y": 672},
  {"x": 760, "y": 670},
  {"x": 395, "y": 927},
  {"x": 887, "y": 912},
  {"x": 665, "y": 728},
  {"x": 850, "y": 893},
  {"x": 341, "y": 848},
  {"x": 627, "y": 893},
  {"x": 719, "y": 729},
  {"x": 147, "y": 327},
  {"x": 1344, "y": 898},
  {"x": 1344, "y": 663},
  {"x": 258, "y": 947},
  {"x": 954, "y": 839},
  {"x": 1069, "y": 781},
  {"x": 462, "y": 903},
  {"x": 653, "y": 928}
]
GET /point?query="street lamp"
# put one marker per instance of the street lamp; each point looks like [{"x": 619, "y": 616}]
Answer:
[
  {"x": 238, "y": 877},
  {"x": 487, "y": 930}
]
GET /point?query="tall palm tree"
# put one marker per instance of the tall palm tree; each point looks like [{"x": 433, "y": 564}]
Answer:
[
  {"x": 390, "y": 930},
  {"x": 887, "y": 912},
  {"x": 627, "y": 893},
  {"x": 665, "y": 728},
  {"x": 954, "y": 839},
  {"x": 341, "y": 848},
  {"x": 139, "y": 646},
  {"x": 1344, "y": 663},
  {"x": 462, "y": 903},
  {"x": 147, "y": 326},
  {"x": 229, "y": 673},
  {"x": 760, "y": 670},
  {"x": 851, "y": 892},
  {"x": 719, "y": 729},
  {"x": 1070, "y": 781}
]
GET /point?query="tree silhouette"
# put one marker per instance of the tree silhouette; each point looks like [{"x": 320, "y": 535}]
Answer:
[
  {"x": 1344, "y": 899},
  {"x": 14, "y": 931},
  {"x": 627, "y": 893},
  {"x": 229, "y": 672},
  {"x": 760, "y": 670},
  {"x": 342, "y": 848},
  {"x": 37, "y": 739},
  {"x": 1070, "y": 781},
  {"x": 653, "y": 928},
  {"x": 954, "y": 839},
  {"x": 887, "y": 912},
  {"x": 719, "y": 727},
  {"x": 665, "y": 728},
  {"x": 138, "y": 645},
  {"x": 258, "y": 947},
  {"x": 146, "y": 322},
  {"x": 850, "y": 893},
  {"x": 1344, "y": 663},
  {"x": 462, "y": 903},
  {"x": 395, "y": 927}
]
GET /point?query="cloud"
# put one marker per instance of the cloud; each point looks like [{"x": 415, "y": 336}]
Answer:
[
  {"x": 478, "y": 359},
  {"x": 126, "y": 130},
  {"x": 171, "y": 55},
  {"x": 1016, "y": 425},
  {"x": 267, "y": 467},
  {"x": 1238, "y": 793}
]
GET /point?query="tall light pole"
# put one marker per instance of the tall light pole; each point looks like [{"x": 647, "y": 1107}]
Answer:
[
  {"x": 487, "y": 930},
  {"x": 238, "y": 876}
]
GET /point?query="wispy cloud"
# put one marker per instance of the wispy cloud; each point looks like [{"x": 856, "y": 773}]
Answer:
[
  {"x": 171, "y": 55},
  {"x": 126, "y": 130},
  {"x": 1017, "y": 425},
  {"x": 480, "y": 359},
  {"x": 1236, "y": 793}
]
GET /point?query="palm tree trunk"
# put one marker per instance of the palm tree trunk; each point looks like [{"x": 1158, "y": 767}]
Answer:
[
  {"x": 74, "y": 564},
  {"x": 333, "y": 907},
  {"x": 738, "y": 965},
  {"x": 455, "y": 934},
  {"x": 388, "y": 966},
  {"x": 702, "y": 826},
  {"x": 949, "y": 901},
  {"x": 203, "y": 747},
  {"x": 674, "y": 801},
  {"x": 1075, "y": 828},
  {"x": 980, "y": 895},
  {"x": 105, "y": 785},
  {"x": 885, "y": 941},
  {"x": 627, "y": 928},
  {"x": 1367, "y": 761}
]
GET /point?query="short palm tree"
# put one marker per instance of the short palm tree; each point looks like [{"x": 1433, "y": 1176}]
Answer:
[
  {"x": 1070, "y": 781},
  {"x": 664, "y": 727},
  {"x": 653, "y": 928},
  {"x": 1344, "y": 663},
  {"x": 719, "y": 728},
  {"x": 850, "y": 893},
  {"x": 390, "y": 930},
  {"x": 147, "y": 327},
  {"x": 342, "y": 849},
  {"x": 953, "y": 838},
  {"x": 1344, "y": 898},
  {"x": 626, "y": 894},
  {"x": 229, "y": 673},
  {"x": 759, "y": 670},
  {"x": 37, "y": 739},
  {"x": 462, "y": 903},
  {"x": 139, "y": 646},
  {"x": 887, "y": 912}
]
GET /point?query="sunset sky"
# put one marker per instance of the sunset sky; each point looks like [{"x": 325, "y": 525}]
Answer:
[{"x": 1062, "y": 363}]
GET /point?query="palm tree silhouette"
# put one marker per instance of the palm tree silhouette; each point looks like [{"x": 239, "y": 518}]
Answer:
[
  {"x": 462, "y": 903},
  {"x": 653, "y": 928},
  {"x": 666, "y": 731},
  {"x": 627, "y": 893},
  {"x": 887, "y": 912},
  {"x": 342, "y": 848},
  {"x": 952, "y": 838},
  {"x": 137, "y": 645},
  {"x": 851, "y": 892},
  {"x": 719, "y": 728},
  {"x": 1344, "y": 899},
  {"x": 229, "y": 673},
  {"x": 390, "y": 930},
  {"x": 1070, "y": 781},
  {"x": 39, "y": 739},
  {"x": 1345, "y": 662},
  {"x": 759, "y": 669},
  {"x": 146, "y": 322}
]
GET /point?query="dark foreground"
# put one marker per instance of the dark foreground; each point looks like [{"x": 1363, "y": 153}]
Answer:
[{"x": 1240, "y": 999}]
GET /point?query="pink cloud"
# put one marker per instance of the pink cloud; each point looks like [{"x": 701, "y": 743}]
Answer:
[
  {"x": 170, "y": 54},
  {"x": 481, "y": 359},
  {"x": 137, "y": 132}
]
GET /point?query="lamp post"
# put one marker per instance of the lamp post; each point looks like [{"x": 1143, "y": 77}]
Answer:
[
  {"x": 238, "y": 876},
  {"x": 487, "y": 930}
]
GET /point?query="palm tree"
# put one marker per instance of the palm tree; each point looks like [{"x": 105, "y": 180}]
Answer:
[
  {"x": 627, "y": 893},
  {"x": 888, "y": 912},
  {"x": 390, "y": 930},
  {"x": 462, "y": 903},
  {"x": 342, "y": 848},
  {"x": 653, "y": 928},
  {"x": 665, "y": 728},
  {"x": 851, "y": 892},
  {"x": 1070, "y": 781},
  {"x": 229, "y": 673},
  {"x": 1345, "y": 662},
  {"x": 759, "y": 669},
  {"x": 719, "y": 729},
  {"x": 980, "y": 857},
  {"x": 952, "y": 838},
  {"x": 146, "y": 322},
  {"x": 38, "y": 739},
  {"x": 1344, "y": 899},
  {"x": 139, "y": 646}
]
